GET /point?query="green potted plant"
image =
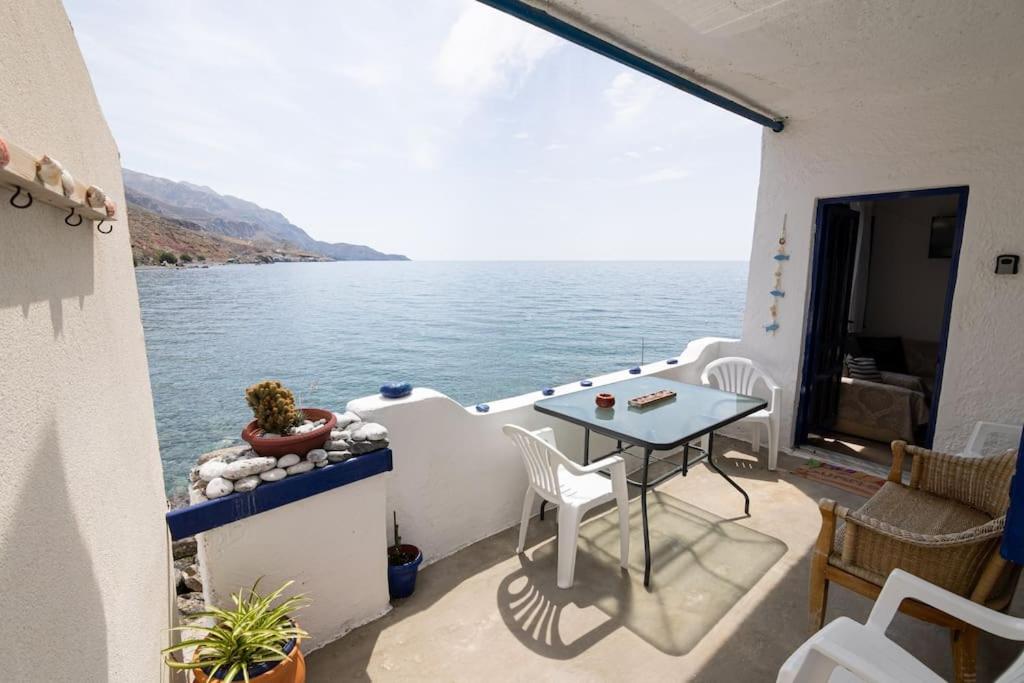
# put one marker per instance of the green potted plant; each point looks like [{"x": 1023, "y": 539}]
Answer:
[
  {"x": 279, "y": 426},
  {"x": 257, "y": 641}
]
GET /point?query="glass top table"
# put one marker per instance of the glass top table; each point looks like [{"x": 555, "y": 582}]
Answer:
[{"x": 694, "y": 412}]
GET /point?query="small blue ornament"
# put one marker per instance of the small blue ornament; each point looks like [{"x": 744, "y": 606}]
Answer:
[
  {"x": 672, "y": 361},
  {"x": 482, "y": 407},
  {"x": 586, "y": 383},
  {"x": 547, "y": 391},
  {"x": 771, "y": 328},
  {"x": 777, "y": 293},
  {"x": 781, "y": 257},
  {"x": 395, "y": 389},
  {"x": 635, "y": 370}
]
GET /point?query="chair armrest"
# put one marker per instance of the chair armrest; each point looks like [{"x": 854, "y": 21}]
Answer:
[
  {"x": 986, "y": 532},
  {"x": 902, "y": 586},
  {"x": 861, "y": 666},
  {"x": 602, "y": 464}
]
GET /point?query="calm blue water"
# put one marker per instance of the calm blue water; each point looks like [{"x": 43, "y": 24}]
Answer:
[{"x": 475, "y": 331}]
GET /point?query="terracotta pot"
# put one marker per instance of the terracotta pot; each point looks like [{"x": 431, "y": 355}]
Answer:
[
  {"x": 300, "y": 444},
  {"x": 291, "y": 670},
  {"x": 604, "y": 400}
]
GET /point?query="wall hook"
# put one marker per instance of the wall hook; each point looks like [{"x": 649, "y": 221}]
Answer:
[
  {"x": 15, "y": 196},
  {"x": 99, "y": 228},
  {"x": 71, "y": 214}
]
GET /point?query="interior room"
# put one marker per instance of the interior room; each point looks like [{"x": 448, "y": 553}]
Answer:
[{"x": 895, "y": 292}]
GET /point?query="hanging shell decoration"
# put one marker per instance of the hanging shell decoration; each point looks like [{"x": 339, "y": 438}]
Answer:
[
  {"x": 67, "y": 183},
  {"x": 49, "y": 170},
  {"x": 110, "y": 207},
  {"x": 5, "y": 154},
  {"x": 95, "y": 197},
  {"x": 777, "y": 292}
]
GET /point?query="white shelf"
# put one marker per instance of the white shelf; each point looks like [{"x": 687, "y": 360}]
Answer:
[{"x": 21, "y": 172}]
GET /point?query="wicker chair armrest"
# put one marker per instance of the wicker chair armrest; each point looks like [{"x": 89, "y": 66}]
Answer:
[
  {"x": 955, "y": 561},
  {"x": 992, "y": 529}
]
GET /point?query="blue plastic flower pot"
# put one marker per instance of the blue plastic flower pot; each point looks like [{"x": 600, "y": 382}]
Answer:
[{"x": 402, "y": 577}]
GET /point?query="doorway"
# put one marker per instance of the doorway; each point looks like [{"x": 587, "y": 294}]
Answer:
[{"x": 883, "y": 276}]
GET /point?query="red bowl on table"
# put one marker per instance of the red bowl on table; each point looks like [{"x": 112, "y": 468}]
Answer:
[{"x": 604, "y": 400}]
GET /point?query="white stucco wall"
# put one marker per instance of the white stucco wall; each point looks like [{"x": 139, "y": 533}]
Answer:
[
  {"x": 333, "y": 545},
  {"x": 969, "y": 134},
  {"x": 83, "y": 549},
  {"x": 457, "y": 478}
]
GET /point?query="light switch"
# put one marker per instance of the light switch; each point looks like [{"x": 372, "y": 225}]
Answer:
[{"x": 1007, "y": 264}]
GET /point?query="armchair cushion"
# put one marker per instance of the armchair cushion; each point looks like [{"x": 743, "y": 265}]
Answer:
[{"x": 939, "y": 539}]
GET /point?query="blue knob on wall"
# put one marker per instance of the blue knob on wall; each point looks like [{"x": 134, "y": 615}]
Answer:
[
  {"x": 547, "y": 391},
  {"x": 586, "y": 383},
  {"x": 482, "y": 407}
]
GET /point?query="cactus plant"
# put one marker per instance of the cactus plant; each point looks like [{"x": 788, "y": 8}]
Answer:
[{"x": 273, "y": 406}]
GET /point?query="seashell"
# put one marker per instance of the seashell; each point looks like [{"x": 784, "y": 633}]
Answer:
[
  {"x": 67, "y": 183},
  {"x": 5, "y": 154},
  {"x": 110, "y": 207},
  {"x": 48, "y": 170},
  {"x": 95, "y": 197}
]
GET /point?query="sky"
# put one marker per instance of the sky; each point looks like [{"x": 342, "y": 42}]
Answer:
[{"x": 439, "y": 129}]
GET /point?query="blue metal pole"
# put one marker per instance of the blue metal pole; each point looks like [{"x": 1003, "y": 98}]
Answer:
[
  {"x": 542, "y": 19},
  {"x": 1013, "y": 537}
]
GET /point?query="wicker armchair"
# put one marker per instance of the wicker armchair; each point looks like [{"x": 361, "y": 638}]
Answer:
[{"x": 944, "y": 526}]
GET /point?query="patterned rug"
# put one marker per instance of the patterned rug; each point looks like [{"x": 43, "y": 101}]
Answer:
[{"x": 861, "y": 483}]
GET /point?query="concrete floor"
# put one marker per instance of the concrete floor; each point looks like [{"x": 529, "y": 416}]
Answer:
[{"x": 462, "y": 624}]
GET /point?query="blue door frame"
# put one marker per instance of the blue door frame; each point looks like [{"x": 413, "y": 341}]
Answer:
[{"x": 817, "y": 277}]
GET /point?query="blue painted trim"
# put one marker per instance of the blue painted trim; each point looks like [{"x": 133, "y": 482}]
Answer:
[
  {"x": 211, "y": 514},
  {"x": 562, "y": 29},
  {"x": 1013, "y": 536},
  {"x": 810, "y": 338}
]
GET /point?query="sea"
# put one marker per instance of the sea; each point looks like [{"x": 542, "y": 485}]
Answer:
[{"x": 476, "y": 331}]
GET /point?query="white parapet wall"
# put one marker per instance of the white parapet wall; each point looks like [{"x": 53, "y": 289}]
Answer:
[
  {"x": 457, "y": 479},
  {"x": 332, "y": 544}
]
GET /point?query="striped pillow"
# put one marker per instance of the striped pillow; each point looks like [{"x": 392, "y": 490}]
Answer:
[{"x": 863, "y": 367}]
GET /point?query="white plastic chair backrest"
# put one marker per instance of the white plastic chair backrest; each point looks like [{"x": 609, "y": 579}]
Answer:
[
  {"x": 541, "y": 459},
  {"x": 992, "y": 438},
  {"x": 738, "y": 375}
]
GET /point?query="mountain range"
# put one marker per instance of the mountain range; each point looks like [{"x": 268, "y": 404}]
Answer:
[{"x": 166, "y": 215}]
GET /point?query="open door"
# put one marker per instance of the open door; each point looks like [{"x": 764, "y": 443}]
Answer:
[{"x": 837, "y": 255}]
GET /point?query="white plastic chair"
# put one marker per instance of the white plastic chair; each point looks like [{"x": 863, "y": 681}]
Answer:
[
  {"x": 992, "y": 438},
  {"x": 847, "y": 651},
  {"x": 741, "y": 376},
  {"x": 573, "y": 488}
]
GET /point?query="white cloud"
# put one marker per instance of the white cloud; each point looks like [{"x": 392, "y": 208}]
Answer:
[
  {"x": 632, "y": 154},
  {"x": 663, "y": 175},
  {"x": 486, "y": 50},
  {"x": 629, "y": 95},
  {"x": 367, "y": 75},
  {"x": 555, "y": 146},
  {"x": 521, "y": 135}
]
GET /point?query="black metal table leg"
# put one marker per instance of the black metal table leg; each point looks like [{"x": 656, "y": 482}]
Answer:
[
  {"x": 643, "y": 510},
  {"x": 711, "y": 461},
  {"x": 586, "y": 446}
]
